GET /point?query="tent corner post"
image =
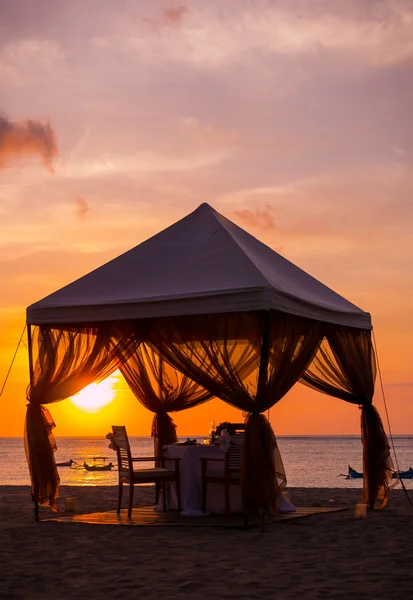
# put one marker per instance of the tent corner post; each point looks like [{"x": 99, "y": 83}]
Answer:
[
  {"x": 36, "y": 510},
  {"x": 31, "y": 376},
  {"x": 30, "y": 350}
]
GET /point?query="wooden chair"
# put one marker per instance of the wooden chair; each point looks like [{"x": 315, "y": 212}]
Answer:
[
  {"x": 131, "y": 476},
  {"x": 231, "y": 474},
  {"x": 234, "y": 428}
]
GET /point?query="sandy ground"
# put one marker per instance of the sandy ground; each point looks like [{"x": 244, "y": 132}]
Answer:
[{"x": 329, "y": 556}]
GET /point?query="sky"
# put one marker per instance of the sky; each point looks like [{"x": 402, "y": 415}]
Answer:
[{"x": 292, "y": 118}]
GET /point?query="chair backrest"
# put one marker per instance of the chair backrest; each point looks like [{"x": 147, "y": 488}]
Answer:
[
  {"x": 235, "y": 428},
  {"x": 123, "y": 451},
  {"x": 234, "y": 454}
]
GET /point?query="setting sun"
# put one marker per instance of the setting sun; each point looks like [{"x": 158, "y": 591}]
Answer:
[{"x": 96, "y": 395}]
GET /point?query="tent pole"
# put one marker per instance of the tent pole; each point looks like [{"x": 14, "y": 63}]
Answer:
[
  {"x": 160, "y": 382},
  {"x": 31, "y": 375},
  {"x": 265, "y": 354},
  {"x": 262, "y": 376}
]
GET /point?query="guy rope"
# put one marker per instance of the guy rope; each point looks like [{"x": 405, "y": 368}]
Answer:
[
  {"x": 388, "y": 422},
  {"x": 13, "y": 359}
]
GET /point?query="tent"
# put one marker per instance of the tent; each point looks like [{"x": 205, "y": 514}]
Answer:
[
  {"x": 202, "y": 309},
  {"x": 203, "y": 264}
]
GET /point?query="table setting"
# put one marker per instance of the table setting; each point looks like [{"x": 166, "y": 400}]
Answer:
[{"x": 214, "y": 448}]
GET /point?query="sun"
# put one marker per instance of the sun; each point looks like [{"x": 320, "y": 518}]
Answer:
[{"x": 96, "y": 395}]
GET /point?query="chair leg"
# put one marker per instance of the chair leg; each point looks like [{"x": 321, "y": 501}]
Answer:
[
  {"x": 178, "y": 492},
  {"x": 163, "y": 496},
  {"x": 227, "y": 500},
  {"x": 119, "y": 496},
  {"x": 204, "y": 494},
  {"x": 131, "y": 486},
  {"x": 157, "y": 492}
]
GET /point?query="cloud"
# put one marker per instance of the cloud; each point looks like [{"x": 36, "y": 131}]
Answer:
[
  {"x": 27, "y": 138},
  {"x": 142, "y": 164},
  {"x": 260, "y": 218},
  {"x": 399, "y": 151},
  {"x": 204, "y": 136},
  {"x": 372, "y": 36},
  {"x": 30, "y": 59},
  {"x": 171, "y": 16},
  {"x": 82, "y": 207}
]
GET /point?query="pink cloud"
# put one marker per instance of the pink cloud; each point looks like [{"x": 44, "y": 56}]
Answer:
[
  {"x": 260, "y": 218},
  {"x": 172, "y": 16},
  {"x": 82, "y": 207}
]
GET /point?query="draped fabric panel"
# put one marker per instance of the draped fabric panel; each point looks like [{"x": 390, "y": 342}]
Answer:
[
  {"x": 161, "y": 389},
  {"x": 40, "y": 445},
  {"x": 67, "y": 361},
  {"x": 345, "y": 367},
  {"x": 249, "y": 360},
  {"x": 221, "y": 353},
  {"x": 163, "y": 433}
]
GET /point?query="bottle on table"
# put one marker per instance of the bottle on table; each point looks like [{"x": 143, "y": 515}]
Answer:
[{"x": 212, "y": 431}]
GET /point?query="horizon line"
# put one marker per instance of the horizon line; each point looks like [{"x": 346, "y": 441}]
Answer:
[{"x": 194, "y": 435}]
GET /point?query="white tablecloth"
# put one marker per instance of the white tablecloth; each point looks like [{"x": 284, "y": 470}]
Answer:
[{"x": 191, "y": 482}]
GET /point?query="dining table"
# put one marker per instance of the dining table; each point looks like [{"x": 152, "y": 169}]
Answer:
[{"x": 190, "y": 456}]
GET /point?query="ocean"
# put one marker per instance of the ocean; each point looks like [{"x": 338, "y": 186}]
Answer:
[{"x": 309, "y": 461}]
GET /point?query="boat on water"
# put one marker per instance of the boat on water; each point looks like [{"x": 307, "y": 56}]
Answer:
[
  {"x": 66, "y": 463},
  {"x": 98, "y": 466},
  {"x": 353, "y": 474}
]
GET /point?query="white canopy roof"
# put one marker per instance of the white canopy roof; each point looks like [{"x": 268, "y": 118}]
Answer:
[{"x": 202, "y": 264}]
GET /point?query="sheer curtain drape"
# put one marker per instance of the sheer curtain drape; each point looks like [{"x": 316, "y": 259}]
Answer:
[
  {"x": 161, "y": 389},
  {"x": 345, "y": 367},
  {"x": 249, "y": 360},
  {"x": 67, "y": 361}
]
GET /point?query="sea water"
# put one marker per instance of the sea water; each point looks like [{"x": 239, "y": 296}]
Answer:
[{"x": 309, "y": 461}]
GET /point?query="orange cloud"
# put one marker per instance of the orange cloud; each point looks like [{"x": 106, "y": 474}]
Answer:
[
  {"x": 27, "y": 138},
  {"x": 261, "y": 218},
  {"x": 82, "y": 207}
]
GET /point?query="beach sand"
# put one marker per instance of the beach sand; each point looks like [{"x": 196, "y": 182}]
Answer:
[{"x": 330, "y": 556}]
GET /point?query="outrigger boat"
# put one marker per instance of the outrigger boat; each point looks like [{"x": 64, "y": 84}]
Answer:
[
  {"x": 98, "y": 467},
  {"x": 353, "y": 474},
  {"x": 66, "y": 463}
]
